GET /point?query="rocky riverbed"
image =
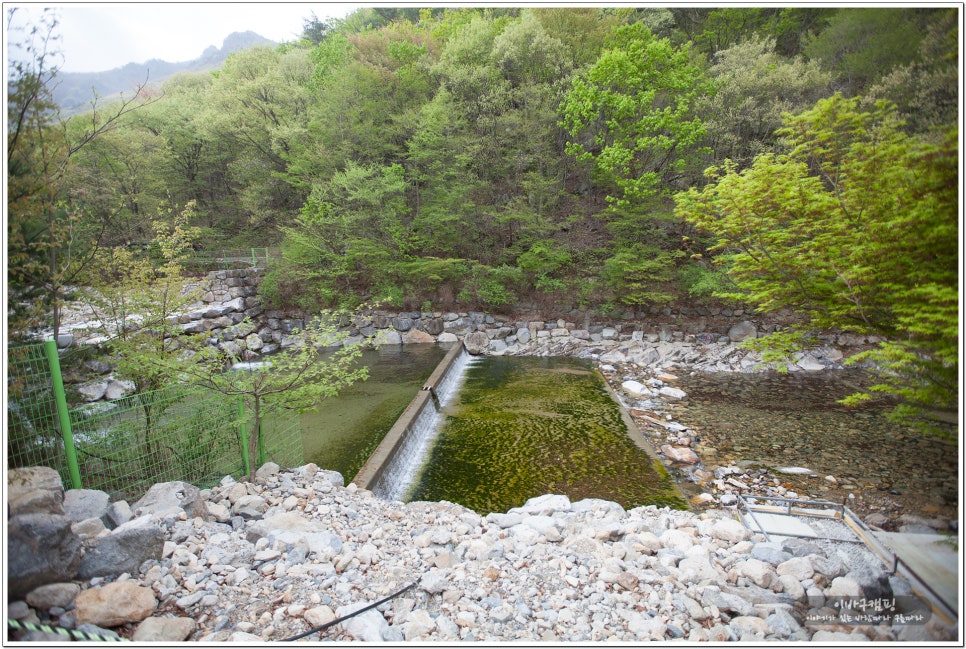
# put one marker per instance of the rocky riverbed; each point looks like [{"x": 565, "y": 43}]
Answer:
[{"x": 295, "y": 549}]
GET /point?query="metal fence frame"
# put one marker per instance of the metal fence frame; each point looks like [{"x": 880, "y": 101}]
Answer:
[
  {"x": 124, "y": 446},
  {"x": 226, "y": 259}
]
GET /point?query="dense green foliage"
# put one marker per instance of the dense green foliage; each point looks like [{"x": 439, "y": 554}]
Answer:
[
  {"x": 479, "y": 157},
  {"x": 471, "y": 157},
  {"x": 856, "y": 228}
]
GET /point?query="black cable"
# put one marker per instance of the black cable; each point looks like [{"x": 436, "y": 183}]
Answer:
[{"x": 346, "y": 617}]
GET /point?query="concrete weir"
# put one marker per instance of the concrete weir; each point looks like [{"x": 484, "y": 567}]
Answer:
[{"x": 389, "y": 470}]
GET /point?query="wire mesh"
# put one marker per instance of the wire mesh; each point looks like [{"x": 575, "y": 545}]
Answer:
[
  {"x": 33, "y": 434},
  {"x": 282, "y": 435},
  {"x": 176, "y": 433}
]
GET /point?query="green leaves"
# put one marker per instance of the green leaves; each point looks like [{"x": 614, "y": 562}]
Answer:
[
  {"x": 632, "y": 114},
  {"x": 854, "y": 228}
]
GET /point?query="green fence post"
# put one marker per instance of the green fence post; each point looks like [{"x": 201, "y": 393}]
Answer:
[
  {"x": 243, "y": 434},
  {"x": 63, "y": 416},
  {"x": 254, "y": 259}
]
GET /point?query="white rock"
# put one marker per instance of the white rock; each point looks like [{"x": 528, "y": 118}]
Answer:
[
  {"x": 673, "y": 393},
  {"x": 635, "y": 389},
  {"x": 760, "y": 572}
]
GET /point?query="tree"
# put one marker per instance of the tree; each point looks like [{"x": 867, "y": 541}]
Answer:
[
  {"x": 296, "y": 378},
  {"x": 632, "y": 114},
  {"x": 348, "y": 239},
  {"x": 855, "y": 229},
  {"x": 926, "y": 91},
  {"x": 49, "y": 239},
  {"x": 861, "y": 45},
  {"x": 754, "y": 87},
  {"x": 137, "y": 300}
]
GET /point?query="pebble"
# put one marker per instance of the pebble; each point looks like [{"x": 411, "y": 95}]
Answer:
[{"x": 494, "y": 578}]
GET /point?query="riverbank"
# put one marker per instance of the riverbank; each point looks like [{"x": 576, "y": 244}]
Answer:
[
  {"x": 639, "y": 346},
  {"x": 293, "y": 550}
]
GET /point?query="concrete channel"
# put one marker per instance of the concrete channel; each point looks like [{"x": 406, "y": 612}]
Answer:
[{"x": 373, "y": 470}]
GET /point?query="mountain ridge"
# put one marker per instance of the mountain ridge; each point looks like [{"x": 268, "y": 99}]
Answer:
[{"x": 75, "y": 91}]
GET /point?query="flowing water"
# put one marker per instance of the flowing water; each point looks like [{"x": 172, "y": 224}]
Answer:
[
  {"x": 342, "y": 433},
  {"x": 401, "y": 470},
  {"x": 522, "y": 427}
]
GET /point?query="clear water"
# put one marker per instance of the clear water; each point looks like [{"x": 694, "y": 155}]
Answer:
[
  {"x": 522, "y": 427},
  {"x": 343, "y": 431},
  {"x": 770, "y": 419}
]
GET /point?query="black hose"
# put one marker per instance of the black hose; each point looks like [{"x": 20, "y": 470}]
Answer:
[{"x": 346, "y": 617}]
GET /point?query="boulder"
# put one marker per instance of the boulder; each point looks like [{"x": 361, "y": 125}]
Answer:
[
  {"x": 476, "y": 342},
  {"x": 123, "y": 550},
  {"x": 250, "y": 507},
  {"x": 635, "y": 389},
  {"x": 238, "y": 304},
  {"x": 81, "y": 504},
  {"x": 50, "y": 595},
  {"x": 164, "y": 498},
  {"x": 36, "y": 489},
  {"x": 742, "y": 330},
  {"x": 432, "y": 326},
  {"x": 417, "y": 337},
  {"x": 41, "y": 549},
  {"x": 729, "y": 530},
  {"x": 759, "y": 572},
  {"x": 115, "y": 604},
  {"x": 874, "y": 584},
  {"x": 402, "y": 324},
  {"x": 389, "y": 337},
  {"x": 798, "y": 567},
  {"x": 117, "y": 389},
  {"x": 675, "y": 394},
  {"x": 164, "y": 629},
  {"x": 93, "y": 391},
  {"x": 680, "y": 454}
]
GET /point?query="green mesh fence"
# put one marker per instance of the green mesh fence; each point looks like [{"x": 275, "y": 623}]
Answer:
[
  {"x": 33, "y": 434},
  {"x": 282, "y": 439},
  {"x": 124, "y": 446},
  {"x": 176, "y": 433}
]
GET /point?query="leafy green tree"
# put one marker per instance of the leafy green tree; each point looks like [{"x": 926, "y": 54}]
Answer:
[
  {"x": 854, "y": 228},
  {"x": 259, "y": 105},
  {"x": 348, "y": 238},
  {"x": 926, "y": 91},
  {"x": 440, "y": 155},
  {"x": 632, "y": 114},
  {"x": 754, "y": 88},
  {"x": 861, "y": 45},
  {"x": 136, "y": 300}
]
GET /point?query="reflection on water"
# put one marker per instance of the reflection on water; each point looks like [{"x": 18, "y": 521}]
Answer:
[
  {"x": 523, "y": 427},
  {"x": 345, "y": 430}
]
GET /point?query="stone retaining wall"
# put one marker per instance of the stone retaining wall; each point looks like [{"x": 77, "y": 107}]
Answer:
[{"x": 231, "y": 296}]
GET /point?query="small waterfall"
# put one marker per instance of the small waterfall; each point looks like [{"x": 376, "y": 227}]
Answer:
[{"x": 398, "y": 475}]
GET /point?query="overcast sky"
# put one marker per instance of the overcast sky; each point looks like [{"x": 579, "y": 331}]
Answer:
[{"x": 100, "y": 36}]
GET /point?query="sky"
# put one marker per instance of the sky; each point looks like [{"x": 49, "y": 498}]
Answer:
[{"x": 102, "y": 36}]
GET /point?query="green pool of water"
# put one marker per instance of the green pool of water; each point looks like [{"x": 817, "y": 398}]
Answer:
[
  {"x": 523, "y": 427},
  {"x": 342, "y": 433}
]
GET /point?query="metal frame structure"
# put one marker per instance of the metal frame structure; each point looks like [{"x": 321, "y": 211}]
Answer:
[{"x": 864, "y": 534}]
